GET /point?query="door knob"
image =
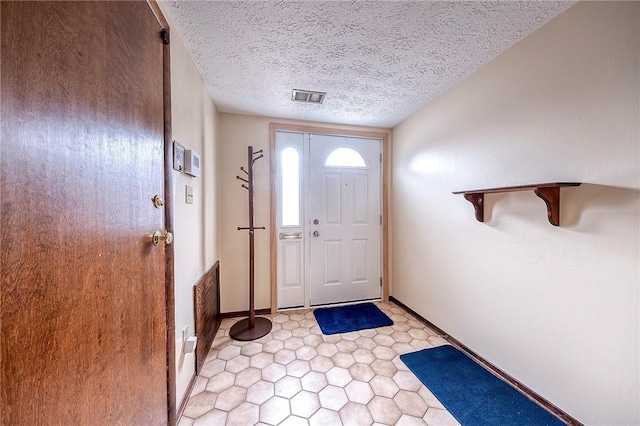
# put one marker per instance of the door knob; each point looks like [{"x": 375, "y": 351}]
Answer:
[
  {"x": 316, "y": 234},
  {"x": 159, "y": 236},
  {"x": 316, "y": 221},
  {"x": 157, "y": 201}
]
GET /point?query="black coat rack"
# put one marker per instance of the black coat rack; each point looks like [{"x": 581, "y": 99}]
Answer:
[{"x": 251, "y": 328}]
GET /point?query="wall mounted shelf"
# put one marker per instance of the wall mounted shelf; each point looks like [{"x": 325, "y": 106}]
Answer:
[{"x": 549, "y": 192}]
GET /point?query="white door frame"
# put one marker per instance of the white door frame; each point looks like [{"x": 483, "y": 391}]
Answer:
[{"x": 384, "y": 137}]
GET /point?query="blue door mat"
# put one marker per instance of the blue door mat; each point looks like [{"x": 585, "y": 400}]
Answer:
[
  {"x": 343, "y": 319},
  {"x": 472, "y": 394}
]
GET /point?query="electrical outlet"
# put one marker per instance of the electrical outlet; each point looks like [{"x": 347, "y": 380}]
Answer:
[
  {"x": 188, "y": 342},
  {"x": 185, "y": 334},
  {"x": 189, "y": 194}
]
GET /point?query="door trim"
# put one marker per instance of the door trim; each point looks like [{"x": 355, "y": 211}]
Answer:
[
  {"x": 168, "y": 216},
  {"x": 384, "y": 137}
]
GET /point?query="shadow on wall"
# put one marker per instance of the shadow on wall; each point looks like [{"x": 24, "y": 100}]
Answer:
[{"x": 589, "y": 206}]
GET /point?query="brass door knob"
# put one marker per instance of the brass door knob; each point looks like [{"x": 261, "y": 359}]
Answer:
[
  {"x": 159, "y": 236},
  {"x": 157, "y": 201}
]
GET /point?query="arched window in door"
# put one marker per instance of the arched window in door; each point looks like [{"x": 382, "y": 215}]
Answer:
[{"x": 345, "y": 157}]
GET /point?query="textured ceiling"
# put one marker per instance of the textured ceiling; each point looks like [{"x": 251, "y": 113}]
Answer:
[{"x": 378, "y": 61}]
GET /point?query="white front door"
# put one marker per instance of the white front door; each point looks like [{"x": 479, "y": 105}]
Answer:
[
  {"x": 328, "y": 219},
  {"x": 344, "y": 219}
]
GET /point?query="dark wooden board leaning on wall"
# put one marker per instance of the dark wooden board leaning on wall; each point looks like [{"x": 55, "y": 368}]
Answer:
[{"x": 206, "y": 295}]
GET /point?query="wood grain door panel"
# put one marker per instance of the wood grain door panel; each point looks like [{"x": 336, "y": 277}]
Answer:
[{"x": 83, "y": 297}]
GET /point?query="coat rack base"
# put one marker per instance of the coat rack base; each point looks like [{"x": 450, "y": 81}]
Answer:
[{"x": 241, "y": 331}]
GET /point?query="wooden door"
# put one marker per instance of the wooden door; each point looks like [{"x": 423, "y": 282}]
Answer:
[
  {"x": 83, "y": 296},
  {"x": 344, "y": 219}
]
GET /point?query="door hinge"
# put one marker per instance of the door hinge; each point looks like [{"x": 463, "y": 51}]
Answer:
[
  {"x": 380, "y": 219},
  {"x": 380, "y": 281},
  {"x": 380, "y": 157},
  {"x": 164, "y": 35}
]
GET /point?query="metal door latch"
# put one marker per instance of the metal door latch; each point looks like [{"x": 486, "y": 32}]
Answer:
[{"x": 159, "y": 236}]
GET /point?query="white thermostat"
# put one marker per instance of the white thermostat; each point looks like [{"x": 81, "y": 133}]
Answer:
[{"x": 191, "y": 162}]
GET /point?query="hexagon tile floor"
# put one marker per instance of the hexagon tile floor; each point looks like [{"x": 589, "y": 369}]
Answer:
[{"x": 297, "y": 376}]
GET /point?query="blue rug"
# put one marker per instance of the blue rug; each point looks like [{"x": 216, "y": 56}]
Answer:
[
  {"x": 472, "y": 394},
  {"x": 343, "y": 319}
]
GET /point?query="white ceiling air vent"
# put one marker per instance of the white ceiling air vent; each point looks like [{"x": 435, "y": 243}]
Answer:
[{"x": 308, "y": 96}]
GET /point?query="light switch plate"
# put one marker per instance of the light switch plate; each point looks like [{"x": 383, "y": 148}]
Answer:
[{"x": 189, "y": 194}]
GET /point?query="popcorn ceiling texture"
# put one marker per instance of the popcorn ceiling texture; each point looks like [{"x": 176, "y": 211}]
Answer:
[{"x": 378, "y": 61}]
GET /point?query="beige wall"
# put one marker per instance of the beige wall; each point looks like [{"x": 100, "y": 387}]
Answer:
[
  {"x": 197, "y": 240},
  {"x": 555, "y": 307},
  {"x": 236, "y": 133}
]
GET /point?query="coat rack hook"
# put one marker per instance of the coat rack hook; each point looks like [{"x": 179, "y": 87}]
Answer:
[
  {"x": 242, "y": 168},
  {"x": 242, "y": 179}
]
